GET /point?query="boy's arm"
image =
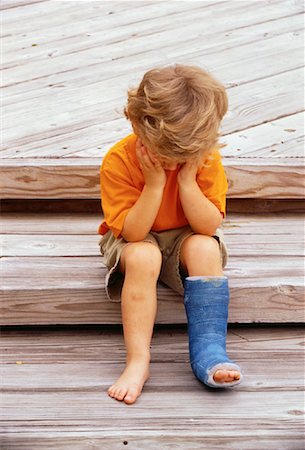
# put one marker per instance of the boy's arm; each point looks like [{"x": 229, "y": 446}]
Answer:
[
  {"x": 203, "y": 216},
  {"x": 143, "y": 213}
]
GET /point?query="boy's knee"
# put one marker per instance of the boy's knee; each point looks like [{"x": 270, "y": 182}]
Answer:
[
  {"x": 199, "y": 244},
  {"x": 142, "y": 257}
]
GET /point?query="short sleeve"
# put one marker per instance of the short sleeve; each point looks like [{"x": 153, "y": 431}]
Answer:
[
  {"x": 118, "y": 194},
  {"x": 213, "y": 182}
]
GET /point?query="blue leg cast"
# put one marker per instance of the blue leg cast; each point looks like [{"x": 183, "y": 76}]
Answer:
[{"x": 206, "y": 302}]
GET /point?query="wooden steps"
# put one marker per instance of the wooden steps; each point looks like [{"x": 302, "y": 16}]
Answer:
[
  {"x": 60, "y": 123},
  {"x": 63, "y": 97},
  {"x": 55, "y": 381},
  {"x": 81, "y": 112},
  {"x": 78, "y": 178},
  {"x": 52, "y": 271}
]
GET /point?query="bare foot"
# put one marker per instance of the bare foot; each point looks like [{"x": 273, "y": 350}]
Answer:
[
  {"x": 129, "y": 386},
  {"x": 224, "y": 375}
]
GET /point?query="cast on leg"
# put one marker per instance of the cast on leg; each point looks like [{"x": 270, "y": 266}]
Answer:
[{"x": 206, "y": 301}]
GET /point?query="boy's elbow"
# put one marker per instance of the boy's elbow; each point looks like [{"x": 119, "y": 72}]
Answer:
[
  {"x": 130, "y": 236},
  {"x": 209, "y": 230},
  {"x": 218, "y": 224},
  {"x": 220, "y": 219}
]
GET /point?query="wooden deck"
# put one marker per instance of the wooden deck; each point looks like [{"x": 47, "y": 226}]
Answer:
[
  {"x": 67, "y": 70},
  {"x": 55, "y": 382},
  {"x": 52, "y": 271}
]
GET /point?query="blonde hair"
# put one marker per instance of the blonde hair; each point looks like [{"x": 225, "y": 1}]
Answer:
[{"x": 177, "y": 110}]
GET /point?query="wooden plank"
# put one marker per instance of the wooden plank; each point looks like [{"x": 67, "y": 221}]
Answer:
[
  {"x": 55, "y": 290},
  {"x": 49, "y": 139},
  {"x": 50, "y": 178},
  {"x": 80, "y": 245},
  {"x": 147, "y": 16},
  {"x": 71, "y": 361},
  {"x": 259, "y": 206},
  {"x": 50, "y": 272},
  {"x": 277, "y": 55},
  {"x": 105, "y": 89},
  {"x": 83, "y": 343},
  {"x": 54, "y": 273},
  {"x": 46, "y": 17},
  {"x": 158, "y": 21},
  {"x": 273, "y": 439},
  {"x": 281, "y": 139},
  {"x": 10, "y": 4},
  {"x": 64, "y": 206},
  {"x": 87, "y": 223},
  {"x": 63, "y": 370},
  {"x": 169, "y": 345},
  {"x": 83, "y": 376},
  {"x": 54, "y": 223}
]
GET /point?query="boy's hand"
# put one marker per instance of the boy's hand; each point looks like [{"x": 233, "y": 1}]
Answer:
[
  {"x": 153, "y": 172},
  {"x": 187, "y": 173}
]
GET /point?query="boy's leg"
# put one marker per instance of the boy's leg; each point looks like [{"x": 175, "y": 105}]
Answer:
[
  {"x": 201, "y": 258},
  {"x": 141, "y": 263}
]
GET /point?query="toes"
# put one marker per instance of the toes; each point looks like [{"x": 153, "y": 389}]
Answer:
[
  {"x": 233, "y": 375},
  {"x": 117, "y": 392},
  {"x": 131, "y": 396},
  {"x": 111, "y": 390},
  {"x": 219, "y": 375},
  {"x": 236, "y": 375},
  {"x": 225, "y": 376},
  {"x": 121, "y": 394}
]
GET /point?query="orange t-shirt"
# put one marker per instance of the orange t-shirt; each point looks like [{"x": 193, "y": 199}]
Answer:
[{"x": 122, "y": 182}]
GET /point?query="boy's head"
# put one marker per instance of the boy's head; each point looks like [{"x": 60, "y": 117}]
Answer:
[{"x": 177, "y": 110}]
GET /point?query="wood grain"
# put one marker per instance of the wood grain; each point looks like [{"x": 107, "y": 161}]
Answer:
[
  {"x": 262, "y": 178},
  {"x": 52, "y": 271},
  {"x": 57, "y": 397},
  {"x": 58, "y": 156}
]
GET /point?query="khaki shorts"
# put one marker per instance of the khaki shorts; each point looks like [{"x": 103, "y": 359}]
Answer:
[{"x": 169, "y": 242}]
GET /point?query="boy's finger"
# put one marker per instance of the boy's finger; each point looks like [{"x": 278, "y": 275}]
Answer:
[
  {"x": 138, "y": 151},
  {"x": 151, "y": 157},
  {"x": 145, "y": 158},
  {"x": 140, "y": 155}
]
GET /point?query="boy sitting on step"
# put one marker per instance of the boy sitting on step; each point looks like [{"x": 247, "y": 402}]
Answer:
[{"x": 163, "y": 194}]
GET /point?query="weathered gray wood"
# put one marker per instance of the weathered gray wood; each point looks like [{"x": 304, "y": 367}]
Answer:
[
  {"x": 58, "y": 125},
  {"x": 54, "y": 273},
  {"x": 264, "y": 125},
  {"x": 79, "y": 178},
  {"x": 57, "y": 397},
  {"x": 80, "y": 245},
  {"x": 64, "y": 206},
  {"x": 71, "y": 290},
  {"x": 73, "y": 357},
  {"x": 76, "y": 223}
]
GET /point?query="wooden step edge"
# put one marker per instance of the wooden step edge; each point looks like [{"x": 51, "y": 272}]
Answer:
[
  {"x": 44, "y": 290},
  {"x": 83, "y": 306},
  {"x": 78, "y": 178},
  {"x": 234, "y": 205}
]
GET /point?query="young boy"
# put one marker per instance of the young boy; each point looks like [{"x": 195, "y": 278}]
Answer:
[{"x": 163, "y": 194}]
